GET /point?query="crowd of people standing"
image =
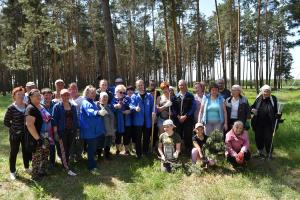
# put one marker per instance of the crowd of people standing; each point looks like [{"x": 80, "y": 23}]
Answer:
[{"x": 62, "y": 122}]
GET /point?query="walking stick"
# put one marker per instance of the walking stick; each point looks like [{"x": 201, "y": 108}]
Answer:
[
  {"x": 152, "y": 128},
  {"x": 169, "y": 106},
  {"x": 280, "y": 106}
]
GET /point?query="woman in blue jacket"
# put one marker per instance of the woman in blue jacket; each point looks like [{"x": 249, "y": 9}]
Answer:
[
  {"x": 142, "y": 107},
  {"x": 92, "y": 129},
  {"x": 120, "y": 105},
  {"x": 65, "y": 124}
]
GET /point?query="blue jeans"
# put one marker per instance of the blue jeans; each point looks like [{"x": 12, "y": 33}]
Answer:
[{"x": 92, "y": 145}]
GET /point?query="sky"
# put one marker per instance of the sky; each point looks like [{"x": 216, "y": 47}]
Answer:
[{"x": 207, "y": 7}]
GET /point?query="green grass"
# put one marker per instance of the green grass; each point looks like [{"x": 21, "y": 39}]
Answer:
[{"x": 126, "y": 178}]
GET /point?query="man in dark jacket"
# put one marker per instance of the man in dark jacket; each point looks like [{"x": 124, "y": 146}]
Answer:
[{"x": 183, "y": 111}]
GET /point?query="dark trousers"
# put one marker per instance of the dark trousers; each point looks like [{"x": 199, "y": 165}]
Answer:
[
  {"x": 155, "y": 135},
  {"x": 52, "y": 155},
  {"x": 142, "y": 133},
  {"x": 125, "y": 136},
  {"x": 263, "y": 136},
  {"x": 67, "y": 139},
  {"x": 232, "y": 160},
  {"x": 15, "y": 142},
  {"x": 92, "y": 145},
  {"x": 129, "y": 131},
  {"x": 185, "y": 130}
]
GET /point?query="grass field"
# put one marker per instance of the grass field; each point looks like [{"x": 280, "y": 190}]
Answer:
[{"x": 126, "y": 178}]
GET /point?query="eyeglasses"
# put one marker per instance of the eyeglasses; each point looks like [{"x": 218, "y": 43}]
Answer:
[{"x": 121, "y": 92}]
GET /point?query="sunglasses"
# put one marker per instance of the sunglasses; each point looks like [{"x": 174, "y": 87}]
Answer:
[{"x": 122, "y": 92}]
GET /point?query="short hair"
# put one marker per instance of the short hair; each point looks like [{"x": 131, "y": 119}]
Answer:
[
  {"x": 88, "y": 89},
  {"x": 102, "y": 80},
  {"x": 164, "y": 85},
  {"x": 17, "y": 89},
  {"x": 120, "y": 87},
  {"x": 139, "y": 81},
  {"x": 72, "y": 84},
  {"x": 46, "y": 91},
  {"x": 129, "y": 87},
  {"x": 213, "y": 85},
  {"x": 236, "y": 123}
]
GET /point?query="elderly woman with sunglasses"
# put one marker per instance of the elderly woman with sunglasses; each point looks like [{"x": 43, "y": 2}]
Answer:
[
  {"x": 237, "y": 107},
  {"x": 14, "y": 120},
  {"x": 120, "y": 105}
]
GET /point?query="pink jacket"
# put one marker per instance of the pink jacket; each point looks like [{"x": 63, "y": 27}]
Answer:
[{"x": 235, "y": 144}]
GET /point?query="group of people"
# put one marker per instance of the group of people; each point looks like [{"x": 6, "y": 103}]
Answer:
[{"x": 62, "y": 122}]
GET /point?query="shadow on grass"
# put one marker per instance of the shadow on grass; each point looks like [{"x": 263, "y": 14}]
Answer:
[{"x": 59, "y": 185}]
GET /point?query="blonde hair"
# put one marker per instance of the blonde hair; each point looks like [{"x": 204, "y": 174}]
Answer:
[
  {"x": 120, "y": 87},
  {"x": 88, "y": 89}
]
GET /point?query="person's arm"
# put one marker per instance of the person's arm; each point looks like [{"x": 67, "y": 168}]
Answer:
[
  {"x": 192, "y": 109},
  {"x": 31, "y": 128},
  {"x": 133, "y": 103},
  {"x": 178, "y": 148},
  {"x": 90, "y": 111},
  {"x": 160, "y": 150},
  {"x": 196, "y": 145},
  {"x": 229, "y": 148},
  {"x": 8, "y": 118},
  {"x": 245, "y": 146},
  {"x": 248, "y": 110},
  {"x": 225, "y": 117}
]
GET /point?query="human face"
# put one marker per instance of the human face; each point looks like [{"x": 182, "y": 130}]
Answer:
[
  {"x": 200, "y": 130},
  {"x": 235, "y": 92},
  {"x": 214, "y": 92},
  {"x": 120, "y": 93},
  {"x": 103, "y": 85},
  {"x": 91, "y": 94},
  {"x": 141, "y": 87},
  {"x": 104, "y": 100},
  {"x": 168, "y": 128},
  {"x": 47, "y": 97},
  {"x": 73, "y": 90},
  {"x": 59, "y": 86},
  {"x": 65, "y": 97},
  {"x": 182, "y": 86},
  {"x": 36, "y": 98},
  {"x": 238, "y": 129},
  {"x": 130, "y": 92},
  {"x": 152, "y": 85},
  {"x": 221, "y": 84},
  {"x": 198, "y": 88},
  {"x": 19, "y": 96},
  {"x": 266, "y": 93},
  {"x": 166, "y": 91}
]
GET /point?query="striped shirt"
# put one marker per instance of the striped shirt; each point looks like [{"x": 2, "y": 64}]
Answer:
[{"x": 14, "y": 119}]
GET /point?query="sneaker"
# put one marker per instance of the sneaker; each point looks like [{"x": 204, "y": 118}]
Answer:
[
  {"x": 95, "y": 171},
  {"x": 12, "y": 176},
  {"x": 260, "y": 154},
  {"x": 127, "y": 153},
  {"x": 70, "y": 173},
  {"x": 28, "y": 171}
]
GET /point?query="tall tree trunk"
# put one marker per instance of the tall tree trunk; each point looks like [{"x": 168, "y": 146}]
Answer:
[
  {"x": 239, "y": 47},
  {"x": 112, "y": 58},
  {"x": 199, "y": 70},
  {"x": 144, "y": 44},
  {"x": 167, "y": 42},
  {"x": 257, "y": 47},
  {"x": 267, "y": 42},
  {"x": 221, "y": 41},
  {"x": 176, "y": 52}
]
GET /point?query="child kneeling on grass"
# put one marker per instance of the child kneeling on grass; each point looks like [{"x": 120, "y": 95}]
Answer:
[
  {"x": 199, "y": 139},
  {"x": 237, "y": 145},
  {"x": 168, "y": 146}
]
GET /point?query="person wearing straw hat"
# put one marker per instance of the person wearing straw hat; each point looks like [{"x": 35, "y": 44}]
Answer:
[
  {"x": 237, "y": 106},
  {"x": 28, "y": 87},
  {"x": 169, "y": 145},
  {"x": 265, "y": 112}
]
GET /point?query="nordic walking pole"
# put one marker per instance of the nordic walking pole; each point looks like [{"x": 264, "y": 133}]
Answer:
[
  {"x": 169, "y": 106},
  {"x": 152, "y": 128},
  {"x": 274, "y": 131}
]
